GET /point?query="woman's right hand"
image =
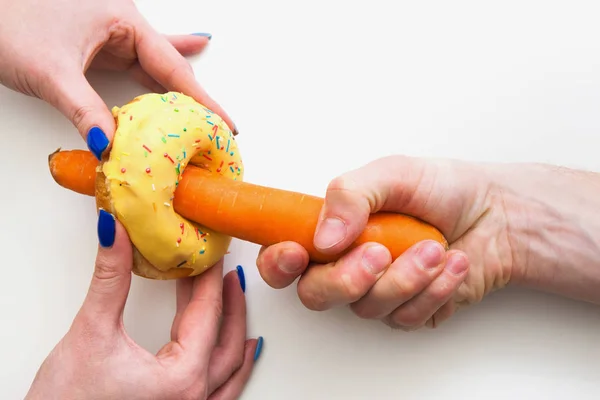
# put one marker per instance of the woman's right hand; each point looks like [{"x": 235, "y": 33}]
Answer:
[{"x": 530, "y": 224}]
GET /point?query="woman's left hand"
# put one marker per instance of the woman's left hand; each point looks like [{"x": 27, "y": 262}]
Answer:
[
  {"x": 208, "y": 356},
  {"x": 46, "y": 46}
]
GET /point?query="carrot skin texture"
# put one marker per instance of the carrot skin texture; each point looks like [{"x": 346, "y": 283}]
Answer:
[
  {"x": 267, "y": 216},
  {"x": 74, "y": 170},
  {"x": 253, "y": 213}
]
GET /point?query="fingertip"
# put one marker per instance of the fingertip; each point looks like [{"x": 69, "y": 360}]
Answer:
[
  {"x": 113, "y": 239},
  {"x": 241, "y": 277},
  {"x": 203, "y": 34},
  {"x": 330, "y": 232},
  {"x": 279, "y": 265},
  {"x": 106, "y": 229},
  {"x": 258, "y": 348},
  {"x": 457, "y": 263}
]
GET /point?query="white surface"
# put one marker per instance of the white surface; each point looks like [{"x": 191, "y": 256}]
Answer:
[{"x": 503, "y": 81}]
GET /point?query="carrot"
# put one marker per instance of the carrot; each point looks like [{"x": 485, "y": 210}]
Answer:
[
  {"x": 253, "y": 213},
  {"x": 74, "y": 170}
]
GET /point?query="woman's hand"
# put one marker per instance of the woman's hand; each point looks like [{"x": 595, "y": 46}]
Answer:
[
  {"x": 528, "y": 224},
  {"x": 208, "y": 355},
  {"x": 46, "y": 46}
]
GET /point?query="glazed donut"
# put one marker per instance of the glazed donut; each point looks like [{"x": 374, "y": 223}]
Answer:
[{"x": 157, "y": 136}]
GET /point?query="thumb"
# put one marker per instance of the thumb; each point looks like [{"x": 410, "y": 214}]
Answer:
[
  {"x": 111, "y": 280},
  {"x": 382, "y": 185},
  {"x": 78, "y": 101}
]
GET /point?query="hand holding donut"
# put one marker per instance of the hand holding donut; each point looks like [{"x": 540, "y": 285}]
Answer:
[
  {"x": 426, "y": 284},
  {"x": 208, "y": 356},
  {"x": 105, "y": 35}
]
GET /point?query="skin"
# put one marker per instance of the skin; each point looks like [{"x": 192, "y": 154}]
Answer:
[
  {"x": 98, "y": 35},
  {"x": 208, "y": 356},
  {"x": 523, "y": 224}
]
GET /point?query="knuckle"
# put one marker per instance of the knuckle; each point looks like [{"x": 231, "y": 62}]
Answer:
[
  {"x": 79, "y": 115},
  {"x": 363, "y": 312},
  {"x": 349, "y": 288},
  {"x": 408, "y": 316},
  {"x": 314, "y": 300},
  {"x": 401, "y": 288},
  {"x": 181, "y": 67},
  {"x": 341, "y": 183}
]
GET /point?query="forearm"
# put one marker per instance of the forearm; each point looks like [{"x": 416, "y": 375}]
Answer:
[{"x": 553, "y": 217}]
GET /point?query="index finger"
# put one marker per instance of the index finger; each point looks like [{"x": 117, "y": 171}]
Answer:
[
  {"x": 200, "y": 322},
  {"x": 168, "y": 67}
]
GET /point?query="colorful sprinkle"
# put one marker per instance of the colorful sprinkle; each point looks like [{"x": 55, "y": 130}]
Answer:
[
  {"x": 232, "y": 170},
  {"x": 153, "y": 188},
  {"x": 185, "y": 129},
  {"x": 167, "y": 204},
  {"x": 228, "y": 141},
  {"x": 197, "y": 234},
  {"x": 148, "y": 170},
  {"x": 231, "y": 153},
  {"x": 125, "y": 154},
  {"x": 193, "y": 258},
  {"x": 218, "y": 146},
  {"x": 154, "y": 206},
  {"x": 131, "y": 117},
  {"x": 210, "y": 137},
  {"x": 170, "y": 159},
  {"x": 178, "y": 240},
  {"x": 208, "y": 122},
  {"x": 163, "y": 139},
  {"x": 182, "y": 227},
  {"x": 207, "y": 157},
  {"x": 146, "y": 147},
  {"x": 202, "y": 251},
  {"x": 215, "y": 128},
  {"x": 172, "y": 135},
  {"x": 123, "y": 170},
  {"x": 176, "y": 110},
  {"x": 180, "y": 264}
]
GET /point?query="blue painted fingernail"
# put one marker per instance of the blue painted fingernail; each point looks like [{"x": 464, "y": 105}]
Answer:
[
  {"x": 97, "y": 141},
  {"x": 106, "y": 229},
  {"x": 259, "y": 345},
  {"x": 241, "y": 277},
  {"x": 208, "y": 35}
]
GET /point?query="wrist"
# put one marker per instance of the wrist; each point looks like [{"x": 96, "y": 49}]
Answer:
[{"x": 553, "y": 223}]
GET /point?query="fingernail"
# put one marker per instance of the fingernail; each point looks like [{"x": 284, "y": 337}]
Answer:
[
  {"x": 376, "y": 258},
  {"x": 241, "y": 277},
  {"x": 457, "y": 264},
  {"x": 259, "y": 345},
  {"x": 429, "y": 255},
  {"x": 235, "y": 131},
  {"x": 289, "y": 262},
  {"x": 106, "y": 229},
  {"x": 331, "y": 232},
  {"x": 208, "y": 35},
  {"x": 97, "y": 141}
]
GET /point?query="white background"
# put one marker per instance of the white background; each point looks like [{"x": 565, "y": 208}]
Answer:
[{"x": 343, "y": 83}]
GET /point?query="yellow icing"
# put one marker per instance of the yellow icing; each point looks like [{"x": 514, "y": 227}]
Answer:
[{"x": 149, "y": 127}]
